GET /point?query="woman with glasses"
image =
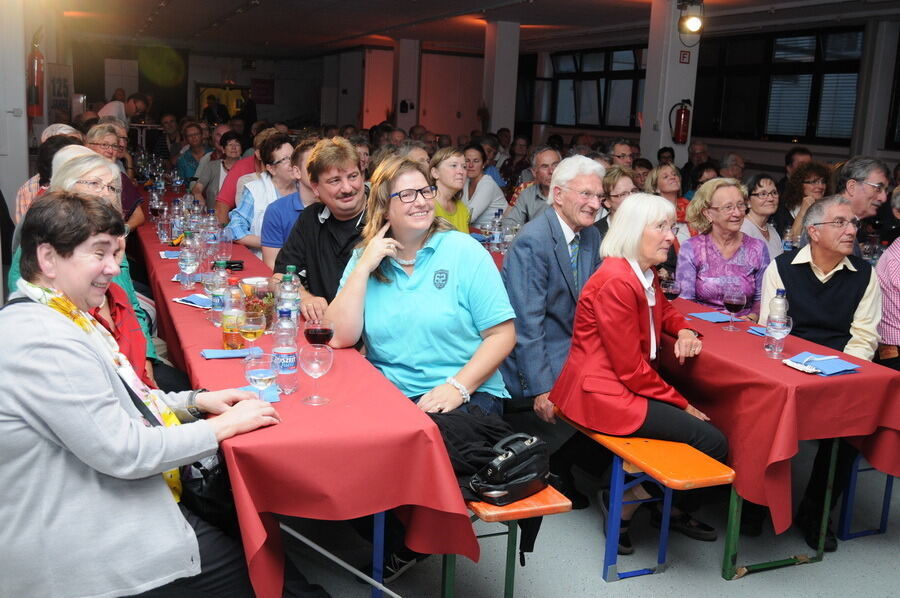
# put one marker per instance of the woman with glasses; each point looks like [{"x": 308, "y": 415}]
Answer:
[
  {"x": 721, "y": 256},
  {"x": 480, "y": 194},
  {"x": 609, "y": 382},
  {"x": 618, "y": 183},
  {"x": 427, "y": 300},
  {"x": 810, "y": 182},
  {"x": 189, "y": 159},
  {"x": 211, "y": 179},
  {"x": 104, "y": 138},
  {"x": 762, "y": 204}
]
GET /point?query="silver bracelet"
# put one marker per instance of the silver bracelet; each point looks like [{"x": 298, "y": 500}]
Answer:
[
  {"x": 191, "y": 406},
  {"x": 462, "y": 389}
]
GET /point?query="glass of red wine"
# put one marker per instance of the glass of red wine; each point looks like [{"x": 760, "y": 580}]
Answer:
[
  {"x": 671, "y": 288},
  {"x": 318, "y": 332},
  {"x": 734, "y": 300}
]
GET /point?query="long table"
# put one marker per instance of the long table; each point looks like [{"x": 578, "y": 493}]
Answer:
[
  {"x": 766, "y": 408},
  {"x": 367, "y": 451}
]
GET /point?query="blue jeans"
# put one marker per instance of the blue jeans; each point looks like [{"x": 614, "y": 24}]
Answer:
[{"x": 488, "y": 403}]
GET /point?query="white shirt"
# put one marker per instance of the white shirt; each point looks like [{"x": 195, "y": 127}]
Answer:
[
  {"x": 568, "y": 233},
  {"x": 646, "y": 280},
  {"x": 774, "y": 243}
]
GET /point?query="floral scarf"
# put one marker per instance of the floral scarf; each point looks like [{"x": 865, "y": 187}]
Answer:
[{"x": 107, "y": 346}]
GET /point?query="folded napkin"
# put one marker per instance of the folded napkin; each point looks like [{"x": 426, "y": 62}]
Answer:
[
  {"x": 829, "y": 367},
  {"x": 195, "y": 300},
  {"x": 270, "y": 395},
  {"x": 230, "y": 353},
  {"x": 197, "y": 276},
  {"x": 757, "y": 330},
  {"x": 478, "y": 237},
  {"x": 711, "y": 316},
  {"x": 169, "y": 255}
]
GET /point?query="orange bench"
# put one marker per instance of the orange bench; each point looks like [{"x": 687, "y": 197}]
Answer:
[
  {"x": 671, "y": 465},
  {"x": 546, "y": 502}
]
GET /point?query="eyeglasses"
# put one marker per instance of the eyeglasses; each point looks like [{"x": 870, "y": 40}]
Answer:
[
  {"x": 764, "y": 194},
  {"x": 879, "y": 187},
  {"x": 840, "y": 223},
  {"x": 98, "y": 187},
  {"x": 105, "y": 146},
  {"x": 623, "y": 156},
  {"x": 622, "y": 195},
  {"x": 282, "y": 160},
  {"x": 664, "y": 227},
  {"x": 818, "y": 181},
  {"x": 740, "y": 207},
  {"x": 409, "y": 195},
  {"x": 585, "y": 194}
]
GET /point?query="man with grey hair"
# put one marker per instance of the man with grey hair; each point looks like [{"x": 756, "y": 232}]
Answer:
[
  {"x": 834, "y": 300},
  {"x": 732, "y": 166},
  {"x": 544, "y": 270},
  {"x": 864, "y": 182},
  {"x": 620, "y": 152},
  {"x": 534, "y": 199}
]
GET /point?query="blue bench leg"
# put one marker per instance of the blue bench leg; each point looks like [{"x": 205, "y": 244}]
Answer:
[
  {"x": 664, "y": 529},
  {"x": 849, "y": 499},
  {"x": 614, "y": 520},
  {"x": 378, "y": 553}
]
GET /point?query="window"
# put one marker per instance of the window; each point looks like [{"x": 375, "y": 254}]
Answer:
[
  {"x": 798, "y": 86},
  {"x": 599, "y": 88}
]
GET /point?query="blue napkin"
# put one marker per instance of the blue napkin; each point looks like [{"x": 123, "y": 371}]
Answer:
[
  {"x": 478, "y": 237},
  {"x": 169, "y": 255},
  {"x": 757, "y": 330},
  {"x": 829, "y": 367},
  {"x": 196, "y": 276},
  {"x": 230, "y": 353},
  {"x": 711, "y": 316},
  {"x": 270, "y": 395},
  {"x": 195, "y": 300}
]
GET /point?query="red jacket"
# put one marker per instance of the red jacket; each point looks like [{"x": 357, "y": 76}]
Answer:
[{"x": 608, "y": 377}]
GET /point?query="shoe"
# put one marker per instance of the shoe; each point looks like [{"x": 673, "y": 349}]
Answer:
[
  {"x": 625, "y": 547},
  {"x": 396, "y": 565},
  {"x": 808, "y": 523},
  {"x": 687, "y": 525},
  {"x": 565, "y": 484}
]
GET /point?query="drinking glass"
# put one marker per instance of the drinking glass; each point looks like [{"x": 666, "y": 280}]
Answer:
[
  {"x": 253, "y": 326},
  {"x": 671, "y": 288},
  {"x": 734, "y": 300},
  {"x": 164, "y": 229},
  {"x": 188, "y": 262},
  {"x": 260, "y": 372},
  {"x": 318, "y": 332},
  {"x": 777, "y": 329},
  {"x": 315, "y": 360},
  {"x": 223, "y": 251}
]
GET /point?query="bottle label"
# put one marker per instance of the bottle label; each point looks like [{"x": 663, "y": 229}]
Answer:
[
  {"x": 218, "y": 301},
  {"x": 286, "y": 359}
]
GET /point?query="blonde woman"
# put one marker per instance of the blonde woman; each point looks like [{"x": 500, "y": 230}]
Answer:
[{"x": 448, "y": 169}]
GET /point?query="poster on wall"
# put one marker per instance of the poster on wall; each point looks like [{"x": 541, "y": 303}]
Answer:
[
  {"x": 263, "y": 90},
  {"x": 58, "y": 89}
]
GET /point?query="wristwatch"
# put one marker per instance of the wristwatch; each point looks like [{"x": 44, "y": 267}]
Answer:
[
  {"x": 462, "y": 389},
  {"x": 191, "y": 406}
]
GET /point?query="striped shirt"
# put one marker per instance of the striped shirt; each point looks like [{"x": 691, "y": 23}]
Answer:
[
  {"x": 28, "y": 192},
  {"x": 888, "y": 270}
]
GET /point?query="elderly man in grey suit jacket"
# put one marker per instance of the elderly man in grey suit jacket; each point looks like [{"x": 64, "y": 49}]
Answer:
[{"x": 544, "y": 271}]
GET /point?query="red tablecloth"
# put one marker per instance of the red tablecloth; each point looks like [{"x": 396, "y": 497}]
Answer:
[
  {"x": 370, "y": 449},
  {"x": 765, "y": 408}
]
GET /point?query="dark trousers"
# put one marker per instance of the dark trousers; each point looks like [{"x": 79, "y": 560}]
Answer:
[
  {"x": 667, "y": 422},
  {"x": 580, "y": 450},
  {"x": 815, "y": 488},
  {"x": 223, "y": 570}
]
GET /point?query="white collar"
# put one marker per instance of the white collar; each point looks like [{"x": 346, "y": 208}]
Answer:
[
  {"x": 645, "y": 277},
  {"x": 568, "y": 233},
  {"x": 325, "y": 214}
]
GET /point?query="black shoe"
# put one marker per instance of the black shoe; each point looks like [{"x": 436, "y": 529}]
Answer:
[
  {"x": 687, "y": 525},
  {"x": 625, "y": 546},
  {"x": 565, "y": 483},
  {"x": 809, "y": 523}
]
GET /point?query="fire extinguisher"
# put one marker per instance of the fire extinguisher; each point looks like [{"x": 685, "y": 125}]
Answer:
[
  {"x": 682, "y": 125},
  {"x": 35, "y": 89}
]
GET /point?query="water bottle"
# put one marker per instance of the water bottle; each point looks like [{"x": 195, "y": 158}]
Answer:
[
  {"x": 232, "y": 315},
  {"x": 289, "y": 294},
  {"x": 285, "y": 352},
  {"x": 778, "y": 311},
  {"x": 216, "y": 291},
  {"x": 177, "y": 219}
]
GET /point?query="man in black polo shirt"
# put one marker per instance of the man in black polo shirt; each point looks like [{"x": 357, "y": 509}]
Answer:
[
  {"x": 325, "y": 234},
  {"x": 834, "y": 300}
]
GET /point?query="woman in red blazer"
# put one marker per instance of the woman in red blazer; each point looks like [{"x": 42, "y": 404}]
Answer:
[{"x": 609, "y": 382}]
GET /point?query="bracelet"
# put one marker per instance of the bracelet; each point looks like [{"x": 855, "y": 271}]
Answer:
[
  {"x": 462, "y": 389},
  {"x": 191, "y": 406}
]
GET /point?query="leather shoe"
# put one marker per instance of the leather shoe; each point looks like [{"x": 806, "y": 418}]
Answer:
[
  {"x": 809, "y": 525},
  {"x": 565, "y": 483},
  {"x": 687, "y": 525},
  {"x": 625, "y": 546}
]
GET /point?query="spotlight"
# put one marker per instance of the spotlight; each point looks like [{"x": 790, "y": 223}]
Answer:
[{"x": 691, "y": 20}]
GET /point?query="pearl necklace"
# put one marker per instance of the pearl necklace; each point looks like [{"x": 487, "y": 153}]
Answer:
[{"x": 405, "y": 262}]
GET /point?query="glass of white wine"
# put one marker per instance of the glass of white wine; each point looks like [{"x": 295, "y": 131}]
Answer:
[
  {"x": 253, "y": 326},
  {"x": 260, "y": 372}
]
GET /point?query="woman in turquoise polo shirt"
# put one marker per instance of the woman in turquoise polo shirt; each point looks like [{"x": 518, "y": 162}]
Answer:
[{"x": 428, "y": 301}]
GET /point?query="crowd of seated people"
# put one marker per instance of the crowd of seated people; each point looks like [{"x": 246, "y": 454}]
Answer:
[{"x": 366, "y": 215}]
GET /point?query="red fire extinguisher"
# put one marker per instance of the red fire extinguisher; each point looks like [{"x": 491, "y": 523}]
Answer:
[
  {"x": 35, "y": 89},
  {"x": 682, "y": 125}
]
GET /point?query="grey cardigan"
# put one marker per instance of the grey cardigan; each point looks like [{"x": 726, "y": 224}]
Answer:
[{"x": 84, "y": 509}]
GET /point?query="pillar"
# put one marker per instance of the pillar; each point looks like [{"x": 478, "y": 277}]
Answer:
[
  {"x": 14, "y": 48},
  {"x": 875, "y": 86},
  {"x": 406, "y": 83},
  {"x": 501, "y": 62},
  {"x": 671, "y": 77}
]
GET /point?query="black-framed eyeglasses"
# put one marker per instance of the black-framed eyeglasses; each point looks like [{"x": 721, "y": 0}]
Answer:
[
  {"x": 814, "y": 182},
  {"x": 409, "y": 195},
  {"x": 105, "y": 146},
  {"x": 840, "y": 223},
  {"x": 765, "y": 194},
  {"x": 281, "y": 161}
]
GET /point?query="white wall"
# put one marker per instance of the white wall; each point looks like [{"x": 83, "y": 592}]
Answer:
[
  {"x": 13, "y": 135},
  {"x": 450, "y": 93},
  {"x": 378, "y": 90},
  {"x": 342, "y": 88}
]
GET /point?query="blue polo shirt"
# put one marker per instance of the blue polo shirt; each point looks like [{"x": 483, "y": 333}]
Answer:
[
  {"x": 420, "y": 329},
  {"x": 279, "y": 219}
]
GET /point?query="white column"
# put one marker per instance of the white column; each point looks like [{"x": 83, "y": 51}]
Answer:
[
  {"x": 543, "y": 99},
  {"x": 671, "y": 77},
  {"x": 875, "y": 85},
  {"x": 406, "y": 83},
  {"x": 501, "y": 62},
  {"x": 13, "y": 122}
]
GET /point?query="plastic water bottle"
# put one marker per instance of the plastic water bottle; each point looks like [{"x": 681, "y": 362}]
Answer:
[
  {"x": 289, "y": 295},
  {"x": 778, "y": 311},
  {"x": 285, "y": 352},
  {"x": 495, "y": 232},
  {"x": 217, "y": 292},
  {"x": 232, "y": 315},
  {"x": 778, "y": 306}
]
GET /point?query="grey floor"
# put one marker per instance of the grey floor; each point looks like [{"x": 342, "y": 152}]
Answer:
[{"x": 568, "y": 557}]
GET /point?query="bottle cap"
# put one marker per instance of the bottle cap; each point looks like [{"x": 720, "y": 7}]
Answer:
[
  {"x": 220, "y": 264},
  {"x": 780, "y": 293},
  {"x": 291, "y": 269},
  {"x": 284, "y": 313}
]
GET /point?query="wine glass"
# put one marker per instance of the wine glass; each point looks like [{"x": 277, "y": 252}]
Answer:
[
  {"x": 223, "y": 249},
  {"x": 777, "y": 329},
  {"x": 318, "y": 332},
  {"x": 315, "y": 360},
  {"x": 253, "y": 326},
  {"x": 671, "y": 288},
  {"x": 734, "y": 300},
  {"x": 188, "y": 262},
  {"x": 260, "y": 372}
]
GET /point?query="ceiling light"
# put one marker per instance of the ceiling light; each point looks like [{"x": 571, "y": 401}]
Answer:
[{"x": 691, "y": 19}]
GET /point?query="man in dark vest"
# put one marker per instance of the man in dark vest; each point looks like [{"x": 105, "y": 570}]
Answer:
[{"x": 834, "y": 300}]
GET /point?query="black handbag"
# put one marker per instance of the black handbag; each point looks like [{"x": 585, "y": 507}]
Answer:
[{"x": 520, "y": 469}]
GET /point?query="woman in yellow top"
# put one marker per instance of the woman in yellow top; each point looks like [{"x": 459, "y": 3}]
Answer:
[{"x": 448, "y": 168}]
